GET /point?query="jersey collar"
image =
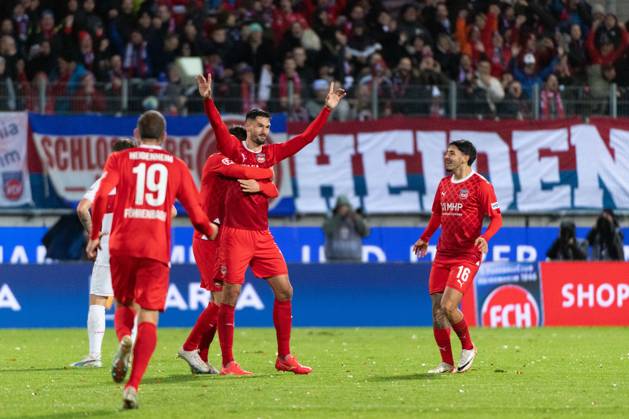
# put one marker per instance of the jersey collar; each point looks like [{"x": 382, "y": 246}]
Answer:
[
  {"x": 455, "y": 181},
  {"x": 151, "y": 146}
]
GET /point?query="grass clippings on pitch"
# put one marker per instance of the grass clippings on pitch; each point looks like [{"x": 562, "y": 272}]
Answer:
[{"x": 538, "y": 373}]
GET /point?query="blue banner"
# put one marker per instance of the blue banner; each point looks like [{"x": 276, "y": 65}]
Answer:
[
  {"x": 324, "y": 295},
  {"x": 305, "y": 244}
]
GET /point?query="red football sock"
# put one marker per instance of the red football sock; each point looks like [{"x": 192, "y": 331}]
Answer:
[
  {"x": 206, "y": 340},
  {"x": 123, "y": 321},
  {"x": 144, "y": 347},
  {"x": 464, "y": 334},
  {"x": 226, "y": 332},
  {"x": 200, "y": 327},
  {"x": 442, "y": 337},
  {"x": 282, "y": 319}
]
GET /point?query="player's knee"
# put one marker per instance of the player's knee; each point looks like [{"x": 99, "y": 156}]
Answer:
[
  {"x": 285, "y": 293},
  {"x": 448, "y": 307}
]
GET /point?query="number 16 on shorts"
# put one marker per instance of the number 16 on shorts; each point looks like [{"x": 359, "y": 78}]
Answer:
[{"x": 461, "y": 276}]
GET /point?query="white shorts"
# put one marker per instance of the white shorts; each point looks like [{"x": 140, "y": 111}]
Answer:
[{"x": 100, "y": 281}]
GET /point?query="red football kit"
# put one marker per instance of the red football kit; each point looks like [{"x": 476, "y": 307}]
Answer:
[
  {"x": 218, "y": 173},
  {"x": 459, "y": 207},
  {"x": 147, "y": 181},
  {"x": 245, "y": 237}
]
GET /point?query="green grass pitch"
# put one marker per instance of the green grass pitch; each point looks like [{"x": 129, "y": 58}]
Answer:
[{"x": 379, "y": 373}]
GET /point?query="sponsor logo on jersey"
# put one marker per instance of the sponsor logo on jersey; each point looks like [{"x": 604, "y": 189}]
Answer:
[
  {"x": 12, "y": 185},
  {"x": 260, "y": 158},
  {"x": 464, "y": 193},
  {"x": 451, "y": 207},
  {"x": 510, "y": 306}
]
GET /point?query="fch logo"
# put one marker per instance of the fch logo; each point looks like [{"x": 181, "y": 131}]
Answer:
[{"x": 510, "y": 306}]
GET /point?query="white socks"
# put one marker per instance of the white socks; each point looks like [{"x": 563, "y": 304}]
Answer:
[{"x": 96, "y": 329}]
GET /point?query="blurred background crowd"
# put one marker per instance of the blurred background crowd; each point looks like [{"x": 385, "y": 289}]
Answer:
[{"x": 521, "y": 59}]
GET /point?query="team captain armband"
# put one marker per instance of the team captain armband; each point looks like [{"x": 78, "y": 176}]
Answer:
[{"x": 495, "y": 206}]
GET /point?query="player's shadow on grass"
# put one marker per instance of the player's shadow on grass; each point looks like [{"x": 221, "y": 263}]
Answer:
[
  {"x": 406, "y": 377},
  {"x": 181, "y": 378},
  {"x": 73, "y": 413}
]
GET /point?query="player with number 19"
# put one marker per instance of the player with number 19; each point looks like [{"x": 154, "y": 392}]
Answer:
[
  {"x": 461, "y": 202},
  {"x": 147, "y": 181}
]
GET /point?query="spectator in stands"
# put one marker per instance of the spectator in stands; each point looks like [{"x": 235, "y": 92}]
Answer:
[
  {"x": 490, "y": 85},
  {"x": 313, "y": 106},
  {"x": 404, "y": 88},
  {"x": 606, "y": 238},
  {"x": 344, "y": 232},
  {"x": 531, "y": 75},
  {"x": 289, "y": 82},
  {"x": 550, "y": 102},
  {"x": 88, "y": 99},
  {"x": 8, "y": 98},
  {"x": 515, "y": 105},
  {"x": 136, "y": 61},
  {"x": 173, "y": 98},
  {"x": 607, "y": 53},
  {"x": 577, "y": 53},
  {"x": 567, "y": 246},
  {"x": 446, "y": 57}
]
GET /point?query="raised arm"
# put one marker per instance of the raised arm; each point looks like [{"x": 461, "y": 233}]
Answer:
[
  {"x": 225, "y": 142},
  {"x": 230, "y": 169},
  {"x": 292, "y": 146}
]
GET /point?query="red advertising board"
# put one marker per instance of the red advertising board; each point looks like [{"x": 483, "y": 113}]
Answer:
[{"x": 585, "y": 293}]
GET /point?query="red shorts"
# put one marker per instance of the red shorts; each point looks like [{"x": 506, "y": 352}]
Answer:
[
  {"x": 144, "y": 281},
  {"x": 242, "y": 248},
  {"x": 206, "y": 256},
  {"x": 453, "y": 273}
]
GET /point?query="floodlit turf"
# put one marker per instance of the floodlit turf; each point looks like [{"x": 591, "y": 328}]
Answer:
[{"x": 357, "y": 373}]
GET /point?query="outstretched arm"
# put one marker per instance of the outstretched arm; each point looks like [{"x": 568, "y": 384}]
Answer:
[
  {"x": 189, "y": 198},
  {"x": 292, "y": 146},
  {"x": 226, "y": 143},
  {"x": 230, "y": 169}
]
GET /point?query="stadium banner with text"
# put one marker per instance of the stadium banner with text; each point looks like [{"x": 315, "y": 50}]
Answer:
[
  {"x": 14, "y": 175},
  {"x": 586, "y": 294},
  {"x": 73, "y": 149},
  {"x": 508, "y": 294},
  {"x": 20, "y": 245},
  {"x": 334, "y": 295},
  {"x": 394, "y": 165}
]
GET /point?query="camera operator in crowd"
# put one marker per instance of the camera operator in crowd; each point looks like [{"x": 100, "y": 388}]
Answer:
[
  {"x": 567, "y": 246},
  {"x": 606, "y": 238},
  {"x": 344, "y": 232}
]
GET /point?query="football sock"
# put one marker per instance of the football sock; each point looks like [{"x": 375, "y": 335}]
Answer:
[
  {"x": 282, "y": 319},
  {"x": 202, "y": 325},
  {"x": 96, "y": 329},
  {"x": 124, "y": 318},
  {"x": 142, "y": 352},
  {"x": 464, "y": 334},
  {"x": 226, "y": 332},
  {"x": 208, "y": 336},
  {"x": 442, "y": 337}
]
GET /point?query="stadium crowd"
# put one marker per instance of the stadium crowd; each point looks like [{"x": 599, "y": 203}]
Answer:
[{"x": 283, "y": 54}]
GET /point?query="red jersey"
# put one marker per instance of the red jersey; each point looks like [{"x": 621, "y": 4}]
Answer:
[
  {"x": 250, "y": 211},
  {"x": 147, "y": 181},
  {"x": 461, "y": 205},
  {"x": 215, "y": 180}
]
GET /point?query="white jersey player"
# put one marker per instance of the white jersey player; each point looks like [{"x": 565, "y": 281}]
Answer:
[{"x": 101, "y": 291}]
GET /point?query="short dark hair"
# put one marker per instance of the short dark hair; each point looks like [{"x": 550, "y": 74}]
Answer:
[
  {"x": 151, "y": 125},
  {"x": 467, "y": 148},
  {"x": 122, "y": 144},
  {"x": 256, "y": 112},
  {"x": 239, "y": 132}
]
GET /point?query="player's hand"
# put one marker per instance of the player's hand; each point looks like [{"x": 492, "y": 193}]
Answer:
[
  {"x": 481, "y": 243},
  {"x": 420, "y": 248},
  {"x": 214, "y": 229},
  {"x": 205, "y": 85},
  {"x": 249, "y": 185},
  {"x": 334, "y": 96},
  {"x": 92, "y": 248}
]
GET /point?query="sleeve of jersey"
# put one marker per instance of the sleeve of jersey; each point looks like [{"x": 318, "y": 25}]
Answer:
[
  {"x": 228, "y": 168},
  {"x": 435, "y": 218},
  {"x": 269, "y": 190},
  {"x": 189, "y": 198},
  {"x": 107, "y": 183},
  {"x": 292, "y": 146},
  {"x": 491, "y": 208},
  {"x": 225, "y": 142},
  {"x": 91, "y": 192}
]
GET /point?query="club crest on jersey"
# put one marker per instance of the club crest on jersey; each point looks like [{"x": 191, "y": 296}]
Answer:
[
  {"x": 464, "y": 193},
  {"x": 260, "y": 158}
]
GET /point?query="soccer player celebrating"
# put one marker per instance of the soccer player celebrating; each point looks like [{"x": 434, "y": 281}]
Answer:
[
  {"x": 245, "y": 237},
  {"x": 147, "y": 181},
  {"x": 218, "y": 171},
  {"x": 100, "y": 280},
  {"x": 461, "y": 202}
]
